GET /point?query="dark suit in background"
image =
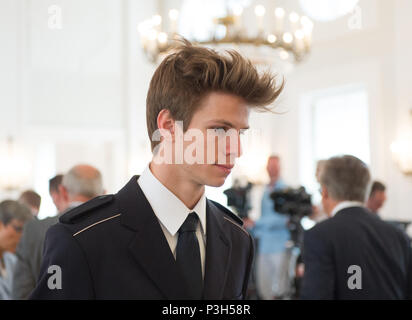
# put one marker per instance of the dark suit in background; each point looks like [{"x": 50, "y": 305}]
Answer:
[
  {"x": 354, "y": 236},
  {"x": 113, "y": 247},
  {"x": 29, "y": 254}
]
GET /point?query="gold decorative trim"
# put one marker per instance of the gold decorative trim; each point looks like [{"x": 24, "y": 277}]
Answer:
[
  {"x": 241, "y": 228},
  {"x": 98, "y": 222}
]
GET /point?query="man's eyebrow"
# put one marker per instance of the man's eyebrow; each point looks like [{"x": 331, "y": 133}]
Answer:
[{"x": 227, "y": 123}]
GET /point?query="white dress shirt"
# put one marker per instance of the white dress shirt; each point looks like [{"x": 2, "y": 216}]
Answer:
[
  {"x": 172, "y": 212},
  {"x": 346, "y": 204}
]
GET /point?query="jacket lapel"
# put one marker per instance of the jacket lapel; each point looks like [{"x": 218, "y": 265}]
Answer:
[
  {"x": 218, "y": 250},
  {"x": 149, "y": 247}
]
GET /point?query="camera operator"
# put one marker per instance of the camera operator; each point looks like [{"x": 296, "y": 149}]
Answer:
[
  {"x": 354, "y": 254},
  {"x": 272, "y": 233}
]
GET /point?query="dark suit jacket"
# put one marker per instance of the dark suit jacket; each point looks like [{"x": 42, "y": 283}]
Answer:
[
  {"x": 354, "y": 236},
  {"x": 113, "y": 247},
  {"x": 29, "y": 253}
]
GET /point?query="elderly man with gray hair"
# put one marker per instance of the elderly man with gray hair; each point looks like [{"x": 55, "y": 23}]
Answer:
[
  {"x": 354, "y": 254},
  {"x": 79, "y": 185},
  {"x": 82, "y": 183}
]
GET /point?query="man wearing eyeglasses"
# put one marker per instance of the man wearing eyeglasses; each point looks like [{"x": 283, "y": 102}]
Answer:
[{"x": 13, "y": 216}]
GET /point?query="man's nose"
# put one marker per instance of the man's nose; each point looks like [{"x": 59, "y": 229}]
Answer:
[{"x": 234, "y": 146}]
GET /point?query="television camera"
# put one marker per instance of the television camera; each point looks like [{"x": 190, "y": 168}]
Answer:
[
  {"x": 239, "y": 197},
  {"x": 297, "y": 204}
]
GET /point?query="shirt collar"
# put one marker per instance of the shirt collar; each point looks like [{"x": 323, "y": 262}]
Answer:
[
  {"x": 74, "y": 204},
  {"x": 168, "y": 208},
  {"x": 279, "y": 184},
  {"x": 70, "y": 206},
  {"x": 346, "y": 204}
]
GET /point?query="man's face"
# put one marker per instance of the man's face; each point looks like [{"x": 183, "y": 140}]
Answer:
[
  {"x": 10, "y": 235},
  {"x": 219, "y": 113},
  {"x": 273, "y": 168},
  {"x": 378, "y": 199}
]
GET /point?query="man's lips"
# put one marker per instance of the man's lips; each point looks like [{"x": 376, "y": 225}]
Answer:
[{"x": 227, "y": 167}]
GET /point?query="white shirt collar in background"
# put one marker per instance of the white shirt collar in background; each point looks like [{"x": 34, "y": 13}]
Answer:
[{"x": 346, "y": 204}]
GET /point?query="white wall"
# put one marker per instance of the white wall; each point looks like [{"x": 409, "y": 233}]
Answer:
[
  {"x": 10, "y": 78},
  {"x": 74, "y": 93},
  {"x": 402, "y": 122}
]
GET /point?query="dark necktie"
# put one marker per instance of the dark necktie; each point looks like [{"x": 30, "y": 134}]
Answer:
[{"x": 188, "y": 256}]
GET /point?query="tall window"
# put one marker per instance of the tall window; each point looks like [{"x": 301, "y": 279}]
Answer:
[{"x": 334, "y": 122}]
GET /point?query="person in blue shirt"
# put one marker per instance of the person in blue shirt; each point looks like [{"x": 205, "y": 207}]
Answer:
[{"x": 271, "y": 230}]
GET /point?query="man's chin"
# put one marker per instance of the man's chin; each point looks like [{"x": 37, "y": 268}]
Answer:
[{"x": 218, "y": 182}]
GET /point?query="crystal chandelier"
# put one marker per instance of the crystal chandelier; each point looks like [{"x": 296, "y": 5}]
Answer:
[
  {"x": 326, "y": 10},
  {"x": 282, "y": 34}
]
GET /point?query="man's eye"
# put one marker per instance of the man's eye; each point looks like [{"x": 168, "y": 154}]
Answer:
[{"x": 219, "y": 130}]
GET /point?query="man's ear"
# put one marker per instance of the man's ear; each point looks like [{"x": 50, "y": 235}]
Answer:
[
  {"x": 63, "y": 193},
  {"x": 325, "y": 193},
  {"x": 166, "y": 122}
]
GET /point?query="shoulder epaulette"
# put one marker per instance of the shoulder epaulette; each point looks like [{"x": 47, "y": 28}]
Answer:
[
  {"x": 229, "y": 213},
  {"x": 85, "y": 208}
]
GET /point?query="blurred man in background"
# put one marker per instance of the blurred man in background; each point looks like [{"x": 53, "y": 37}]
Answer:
[
  {"x": 32, "y": 200},
  {"x": 377, "y": 197},
  {"x": 13, "y": 216},
  {"x": 272, "y": 233},
  {"x": 318, "y": 213},
  {"x": 354, "y": 254},
  {"x": 80, "y": 184},
  {"x": 57, "y": 193}
]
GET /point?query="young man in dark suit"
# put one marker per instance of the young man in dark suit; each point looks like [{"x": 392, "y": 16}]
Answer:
[
  {"x": 159, "y": 237},
  {"x": 354, "y": 254}
]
